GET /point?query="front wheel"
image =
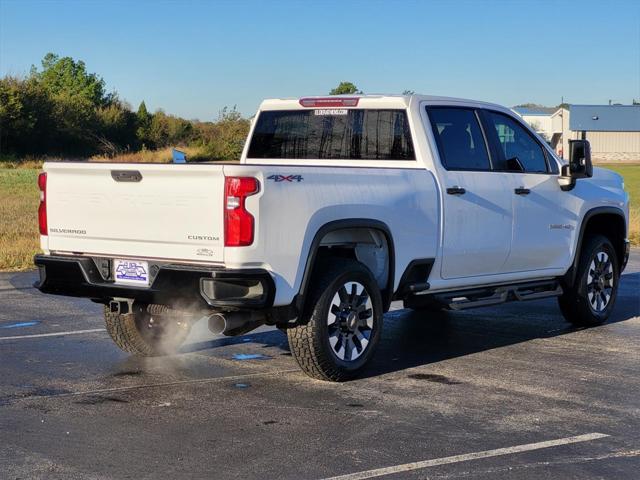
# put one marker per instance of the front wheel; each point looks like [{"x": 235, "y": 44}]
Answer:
[
  {"x": 342, "y": 325},
  {"x": 590, "y": 300}
]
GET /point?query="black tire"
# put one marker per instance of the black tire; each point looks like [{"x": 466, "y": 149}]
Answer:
[
  {"x": 590, "y": 300},
  {"x": 310, "y": 343},
  {"x": 149, "y": 331}
]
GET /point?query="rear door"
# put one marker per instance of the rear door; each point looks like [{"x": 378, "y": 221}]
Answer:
[
  {"x": 172, "y": 212},
  {"x": 477, "y": 202},
  {"x": 544, "y": 219}
]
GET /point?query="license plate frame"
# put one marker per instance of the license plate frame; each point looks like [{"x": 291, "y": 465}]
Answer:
[{"x": 131, "y": 272}]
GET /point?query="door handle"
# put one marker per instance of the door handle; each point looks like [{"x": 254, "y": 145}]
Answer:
[
  {"x": 522, "y": 191},
  {"x": 456, "y": 190}
]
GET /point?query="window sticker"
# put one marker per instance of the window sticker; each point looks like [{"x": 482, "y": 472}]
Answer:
[{"x": 330, "y": 111}]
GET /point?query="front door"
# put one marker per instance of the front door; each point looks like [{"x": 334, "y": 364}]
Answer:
[
  {"x": 477, "y": 201},
  {"x": 544, "y": 223}
]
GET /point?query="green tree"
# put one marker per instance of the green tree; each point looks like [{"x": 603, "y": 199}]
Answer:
[
  {"x": 143, "y": 116},
  {"x": 344, "y": 88},
  {"x": 25, "y": 117},
  {"x": 530, "y": 105},
  {"x": 223, "y": 139},
  {"x": 65, "y": 76},
  {"x": 62, "y": 109},
  {"x": 169, "y": 130},
  {"x": 143, "y": 124},
  {"x": 116, "y": 130},
  {"x": 158, "y": 130},
  {"x": 408, "y": 92},
  {"x": 75, "y": 97}
]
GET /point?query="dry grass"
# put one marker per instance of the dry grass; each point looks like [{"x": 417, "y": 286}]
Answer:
[
  {"x": 634, "y": 226},
  {"x": 143, "y": 156},
  {"x": 19, "y": 237},
  {"x": 631, "y": 175},
  {"x": 152, "y": 156},
  {"x": 28, "y": 163}
]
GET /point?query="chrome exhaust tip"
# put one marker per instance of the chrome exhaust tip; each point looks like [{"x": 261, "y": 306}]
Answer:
[{"x": 232, "y": 324}]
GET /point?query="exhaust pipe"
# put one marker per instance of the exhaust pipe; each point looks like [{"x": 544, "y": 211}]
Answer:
[{"x": 232, "y": 324}]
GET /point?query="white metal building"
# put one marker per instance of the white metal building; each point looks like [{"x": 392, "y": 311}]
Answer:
[{"x": 612, "y": 130}]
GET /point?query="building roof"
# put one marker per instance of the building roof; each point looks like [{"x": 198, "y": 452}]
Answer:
[
  {"x": 532, "y": 111},
  {"x": 605, "y": 118}
]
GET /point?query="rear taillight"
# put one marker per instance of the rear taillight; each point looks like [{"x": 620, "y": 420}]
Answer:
[
  {"x": 238, "y": 222},
  {"x": 42, "y": 208}
]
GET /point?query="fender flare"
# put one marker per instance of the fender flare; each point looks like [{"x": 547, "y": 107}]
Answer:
[
  {"x": 570, "y": 276},
  {"x": 387, "y": 293}
]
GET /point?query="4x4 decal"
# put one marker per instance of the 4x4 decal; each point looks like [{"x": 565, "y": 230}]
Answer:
[{"x": 285, "y": 178}]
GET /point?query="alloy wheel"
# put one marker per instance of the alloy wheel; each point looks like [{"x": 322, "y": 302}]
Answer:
[
  {"x": 350, "y": 321},
  {"x": 600, "y": 281}
]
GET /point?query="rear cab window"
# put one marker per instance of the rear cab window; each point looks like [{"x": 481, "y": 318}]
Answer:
[{"x": 338, "y": 134}]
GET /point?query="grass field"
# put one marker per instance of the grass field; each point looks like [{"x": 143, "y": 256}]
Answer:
[
  {"x": 19, "y": 198},
  {"x": 149, "y": 156},
  {"x": 19, "y": 205},
  {"x": 631, "y": 174}
]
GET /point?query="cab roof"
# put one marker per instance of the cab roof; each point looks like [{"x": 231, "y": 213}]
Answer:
[{"x": 367, "y": 101}]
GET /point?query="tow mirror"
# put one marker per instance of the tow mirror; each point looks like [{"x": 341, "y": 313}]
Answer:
[
  {"x": 580, "y": 159},
  {"x": 579, "y": 166}
]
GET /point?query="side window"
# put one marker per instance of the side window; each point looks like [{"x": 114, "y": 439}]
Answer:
[
  {"x": 520, "y": 149},
  {"x": 459, "y": 139}
]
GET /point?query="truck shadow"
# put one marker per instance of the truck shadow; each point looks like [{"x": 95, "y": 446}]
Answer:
[{"x": 412, "y": 339}]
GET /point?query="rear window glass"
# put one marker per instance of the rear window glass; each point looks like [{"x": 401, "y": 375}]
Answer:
[{"x": 332, "y": 134}]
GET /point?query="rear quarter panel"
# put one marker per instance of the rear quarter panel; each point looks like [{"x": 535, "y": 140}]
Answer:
[{"x": 289, "y": 213}]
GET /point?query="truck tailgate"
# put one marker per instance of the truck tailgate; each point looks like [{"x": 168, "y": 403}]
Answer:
[{"x": 136, "y": 210}]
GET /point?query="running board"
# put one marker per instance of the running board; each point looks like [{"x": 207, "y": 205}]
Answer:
[{"x": 482, "y": 297}]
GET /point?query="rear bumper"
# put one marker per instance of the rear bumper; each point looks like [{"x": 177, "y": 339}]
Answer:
[{"x": 190, "y": 286}]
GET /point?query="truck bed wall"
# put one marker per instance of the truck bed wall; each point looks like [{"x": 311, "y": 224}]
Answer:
[{"x": 291, "y": 212}]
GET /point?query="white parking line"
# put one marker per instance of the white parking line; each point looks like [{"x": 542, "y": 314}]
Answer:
[
  {"x": 54, "y": 334},
  {"x": 407, "y": 467}
]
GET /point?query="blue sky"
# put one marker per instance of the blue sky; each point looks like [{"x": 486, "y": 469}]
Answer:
[{"x": 192, "y": 58}]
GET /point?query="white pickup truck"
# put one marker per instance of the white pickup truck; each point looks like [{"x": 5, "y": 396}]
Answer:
[{"x": 339, "y": 206}]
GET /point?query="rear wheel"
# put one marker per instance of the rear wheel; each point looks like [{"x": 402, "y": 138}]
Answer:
[
  {"x": 590, "y": 300},
  {"x": 342, "y": 324},
  {"x": 149, "y": 330}
]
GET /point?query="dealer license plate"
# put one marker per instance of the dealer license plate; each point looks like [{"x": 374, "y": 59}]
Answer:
[{"x": 131, "y": 272}]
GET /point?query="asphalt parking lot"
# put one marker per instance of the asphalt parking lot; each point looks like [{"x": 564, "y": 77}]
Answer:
[{"x": 505, "y": 392}]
